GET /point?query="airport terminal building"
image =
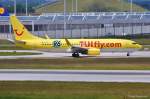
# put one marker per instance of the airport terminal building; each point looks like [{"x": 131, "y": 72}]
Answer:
[{"x": 82, "y": 25}]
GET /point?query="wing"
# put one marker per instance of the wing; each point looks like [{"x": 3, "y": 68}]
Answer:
[
  {"x": 75, "y": 49},
  {"x": 83, "y": 50}
]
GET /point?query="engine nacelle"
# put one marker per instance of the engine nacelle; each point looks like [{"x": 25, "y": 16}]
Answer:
[
  {"x": 93, "y": 51},
  {"x": 90, "y": 51}
]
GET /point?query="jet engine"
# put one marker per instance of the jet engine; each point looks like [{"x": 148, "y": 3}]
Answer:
[{"x": 93, "y": 51}]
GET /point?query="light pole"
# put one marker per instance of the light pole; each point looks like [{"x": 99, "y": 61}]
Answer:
[
  {"x": 15, "y": 7},
  {"x": 121, "y": 5},
  {"x": 72, "y": 5},
  {"x": 64, "y": 18},
  {"x": 76, "y": 6},
  {"x": 131, "y": 5},
  {"x": 26, "y": 7}
]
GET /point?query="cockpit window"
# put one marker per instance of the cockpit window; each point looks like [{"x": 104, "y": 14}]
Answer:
[{"x": 134, "y": 43}]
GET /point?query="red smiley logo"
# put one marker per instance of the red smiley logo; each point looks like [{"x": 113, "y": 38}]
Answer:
[{"x": 17, "y": 33}]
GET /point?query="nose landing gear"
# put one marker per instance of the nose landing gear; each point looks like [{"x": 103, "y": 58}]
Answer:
[{"x": 128, "y": 54}]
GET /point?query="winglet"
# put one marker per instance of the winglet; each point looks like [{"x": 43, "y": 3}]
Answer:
[{"x": 68, "y": 43}]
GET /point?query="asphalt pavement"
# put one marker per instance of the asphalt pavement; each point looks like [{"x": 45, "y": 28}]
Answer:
[
  {"x": 75, "y": 75},
  {"x": 137, "y": 54}
]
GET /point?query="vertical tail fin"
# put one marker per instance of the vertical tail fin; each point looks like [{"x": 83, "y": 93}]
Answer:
[{"x": 20, "y": 32}]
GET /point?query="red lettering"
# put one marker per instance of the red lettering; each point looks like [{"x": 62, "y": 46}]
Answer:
[
  {"x": 99, "y": 45},
  {"x": 111, "y": 44},
  {"x": 88, "y": 45},
  {"x": 118, "y": 45},
  {"x": 96, "y": 44},
  {"x": 81, "y": 43},
  {"x": 107, "y": 44},
  {"x": 91, "y": 43},
  {"x": 102, "y": 45}
]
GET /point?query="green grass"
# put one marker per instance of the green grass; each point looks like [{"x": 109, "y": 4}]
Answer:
[
  {"x": 7, "y": 45},
  {"x": 5, "y": 42},
  {"x": 74, "y": 63},
  {"x": 17, "y": 53},
  {"x": 147, "y": 47},
  {"x": 70, "y": 90},
  {"x": 90, "y": 5},
  {"x": 11, "y": 47},
  {"x": 143, "y": 41}
]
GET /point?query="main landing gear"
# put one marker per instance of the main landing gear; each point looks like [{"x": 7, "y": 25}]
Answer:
[
  {"x": 75, "y": 55},
  {"x": 128, "y": 54}
]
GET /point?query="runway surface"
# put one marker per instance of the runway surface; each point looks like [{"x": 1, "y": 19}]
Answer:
[
  {"x": 137, "y": 54},
  {"x": 75, "y": 75}
]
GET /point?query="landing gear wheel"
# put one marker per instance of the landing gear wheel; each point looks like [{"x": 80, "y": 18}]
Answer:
[
  {"x": 75, "y": 55},
  {"x": 128, "y": 54}
]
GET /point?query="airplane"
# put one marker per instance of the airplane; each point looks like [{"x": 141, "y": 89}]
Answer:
[
  {"x": 3, "y": 11},
  {"x": 93, "y": 47}
]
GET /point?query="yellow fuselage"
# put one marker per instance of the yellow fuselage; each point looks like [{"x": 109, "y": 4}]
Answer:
[{"x": 114, "y": 44}]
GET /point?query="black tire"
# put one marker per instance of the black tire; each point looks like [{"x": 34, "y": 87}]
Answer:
[
  {"x": 128, "y": 54},
  {"x": 75, "y": 55}
]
